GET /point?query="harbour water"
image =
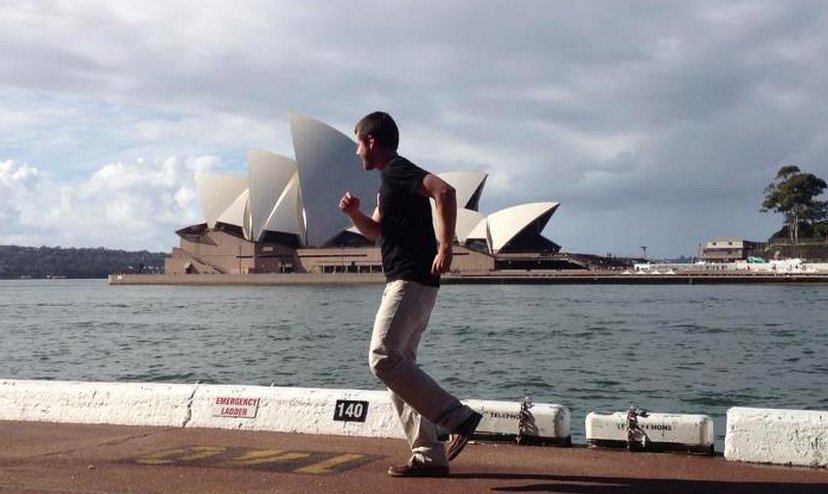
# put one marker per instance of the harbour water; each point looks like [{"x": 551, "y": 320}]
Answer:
[{"x": 682, "y": 349}]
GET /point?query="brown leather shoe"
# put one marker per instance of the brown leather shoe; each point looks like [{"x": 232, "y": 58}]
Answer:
[
  {"x": 416, "y": 468},
  {"x": 461, "y": 435}
]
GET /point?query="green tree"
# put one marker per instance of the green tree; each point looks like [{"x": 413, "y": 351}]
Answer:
[{"x": 794, "y": 194}]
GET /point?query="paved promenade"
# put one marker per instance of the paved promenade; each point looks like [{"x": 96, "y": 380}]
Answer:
[{"x": 45, "y": 458}]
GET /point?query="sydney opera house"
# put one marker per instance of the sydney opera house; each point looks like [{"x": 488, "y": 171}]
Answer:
[{"x": 283, "y": 217}]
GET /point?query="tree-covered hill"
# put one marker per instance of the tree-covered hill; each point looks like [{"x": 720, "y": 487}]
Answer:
[{"x": 44, "y": 262}]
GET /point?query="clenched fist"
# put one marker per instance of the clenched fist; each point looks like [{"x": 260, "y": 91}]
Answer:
[{"x": 348, "y": 204}]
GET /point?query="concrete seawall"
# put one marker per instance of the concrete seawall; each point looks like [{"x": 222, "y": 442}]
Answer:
[
  {"x": 341, "y": 412},
  {"x": 489, "y": 278},
  {"x": 248, "y": 279}
]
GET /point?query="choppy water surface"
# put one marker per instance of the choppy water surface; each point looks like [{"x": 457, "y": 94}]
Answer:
[{"x": 686, "y": 349}]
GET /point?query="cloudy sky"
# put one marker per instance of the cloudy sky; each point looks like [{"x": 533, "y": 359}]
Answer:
[{"x": 654, "y": 123}]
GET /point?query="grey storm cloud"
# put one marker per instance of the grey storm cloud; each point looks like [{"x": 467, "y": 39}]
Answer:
[{"x": 656, "y": 122}]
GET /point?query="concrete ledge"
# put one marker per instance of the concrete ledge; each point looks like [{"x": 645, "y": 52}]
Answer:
[
  {"x": 656, "y": 432},
  {"x": 95, "y": 403},
  {"x": 278, "y": 409},
  {"x": 782, "y": 437}
]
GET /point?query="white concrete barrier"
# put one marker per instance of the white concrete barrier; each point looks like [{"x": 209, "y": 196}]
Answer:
[
  {"x": 95, "y": 403},
  {"x": 359, "y": 413},
  {"x": 655, "y": 432},
  {"x": 542, "y": 423},
  {"x": 280, "y": 409},
  {"x": 783, "y": 437}
]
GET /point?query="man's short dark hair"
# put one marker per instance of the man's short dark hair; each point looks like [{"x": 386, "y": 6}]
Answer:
[{"x": 381, "y": 127}]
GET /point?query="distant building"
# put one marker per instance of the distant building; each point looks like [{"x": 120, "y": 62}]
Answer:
[
  {"x": 727, "y": 250},
  {"x": 283, "y": 216}
]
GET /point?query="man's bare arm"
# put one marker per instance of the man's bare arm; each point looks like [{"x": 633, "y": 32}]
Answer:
[
  {"x": 368, "y": 226},
  {"x": 445, "y": 199}
]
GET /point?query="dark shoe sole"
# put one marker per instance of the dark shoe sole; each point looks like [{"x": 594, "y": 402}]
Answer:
[
  {"x": 418, "y": 471},
  {"x": 461, "y": 437}
]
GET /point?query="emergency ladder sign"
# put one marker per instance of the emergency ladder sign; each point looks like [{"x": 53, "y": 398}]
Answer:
[{"x": 235, "y": 407}]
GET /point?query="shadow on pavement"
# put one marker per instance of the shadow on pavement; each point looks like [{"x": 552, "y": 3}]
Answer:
[{"x": 632, "y": 485}]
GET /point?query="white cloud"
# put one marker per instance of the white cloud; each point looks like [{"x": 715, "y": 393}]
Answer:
[
  {"x": 121, "y": 205},
  {"x": 219, "y": 130},
  {"x": 17, "y": 183},
  {"x": 13, "y": 176}
]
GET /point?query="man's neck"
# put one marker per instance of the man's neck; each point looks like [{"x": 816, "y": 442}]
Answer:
[{"x": 385, "y": 158}]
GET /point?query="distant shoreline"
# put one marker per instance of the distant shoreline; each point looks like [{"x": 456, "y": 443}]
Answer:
[{"x": 491, "y": 278}]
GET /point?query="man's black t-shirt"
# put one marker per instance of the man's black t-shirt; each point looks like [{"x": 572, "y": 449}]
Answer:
[{"x": 408, "y": 242}]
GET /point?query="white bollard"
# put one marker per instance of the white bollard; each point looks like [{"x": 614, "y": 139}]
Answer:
[
  {"x": 538, "y": 423},
  {"x": 782, "y": 437},
  {"x": 655, "y": 432}
]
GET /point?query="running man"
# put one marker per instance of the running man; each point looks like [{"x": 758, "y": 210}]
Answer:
[{"x": 413, "y": 261}]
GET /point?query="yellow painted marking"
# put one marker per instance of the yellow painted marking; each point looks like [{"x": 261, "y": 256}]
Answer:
[
  {"x": 327, "y": 466},
  {"x": 270, "y": 459},
  {"x": 203, "y": 452},
  {"x": 159, "y": 457},
  {"x": 258, "y": 457}
]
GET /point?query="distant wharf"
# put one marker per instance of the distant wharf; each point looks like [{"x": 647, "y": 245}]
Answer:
[{"x": 504, "y": 277}]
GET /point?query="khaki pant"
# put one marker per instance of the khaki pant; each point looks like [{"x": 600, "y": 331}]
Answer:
[{"x": 419, "y": 401}]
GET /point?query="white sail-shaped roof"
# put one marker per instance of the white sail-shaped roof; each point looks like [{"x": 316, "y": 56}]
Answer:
[
  {"x": 467, "y": 221},
  {"x": 481, "y": 232},
  {"x": 287, "y": 216},
  {"x": 469, "y": 187},
  {"x": 328, "y": 167},
  {"x": 268, "y": 177},
  {"x": 288, "y": 197},
  {"x": 237, "y": 214},
  {"x": 507, "y": 223},
  {"x": 216, "y": 192}
]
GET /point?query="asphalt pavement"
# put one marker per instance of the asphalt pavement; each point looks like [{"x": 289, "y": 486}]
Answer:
[{"x": 45, "y": 458}]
